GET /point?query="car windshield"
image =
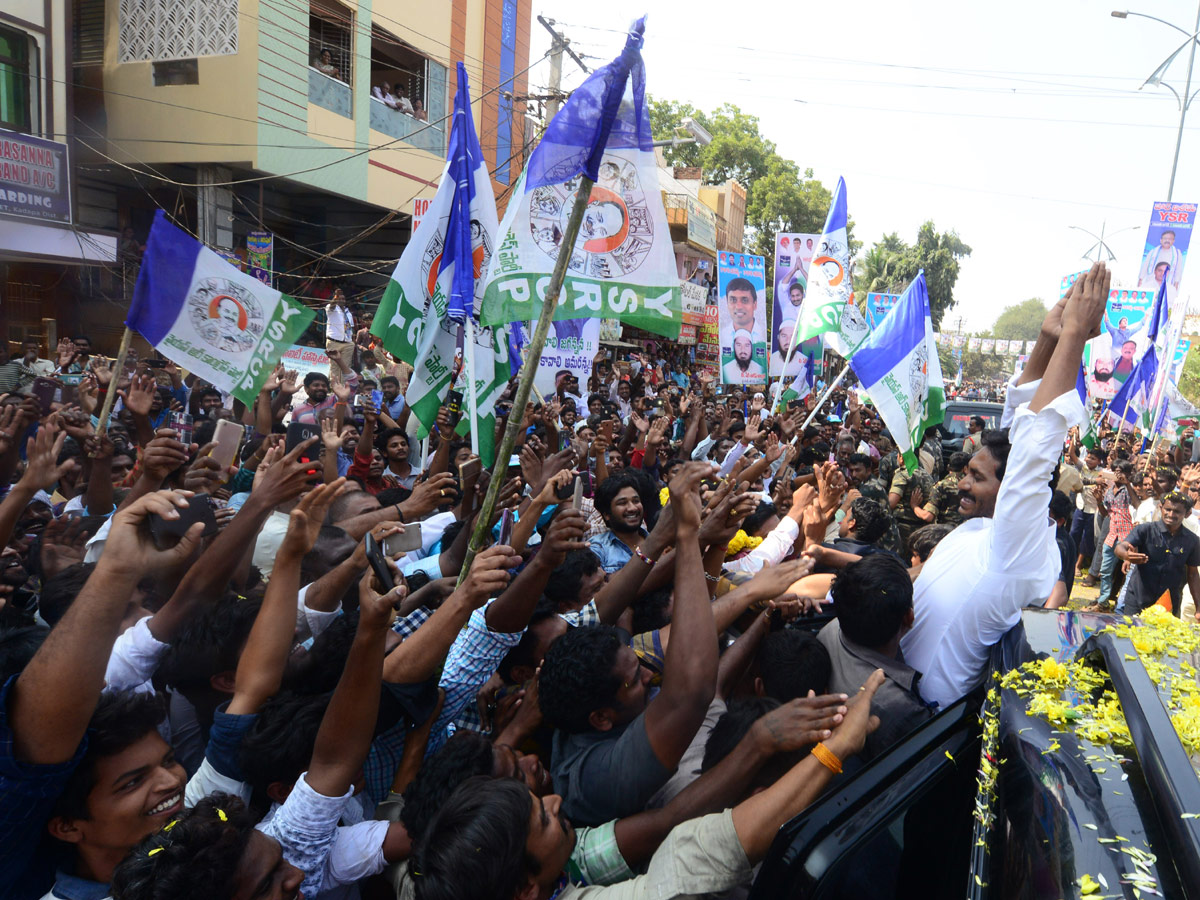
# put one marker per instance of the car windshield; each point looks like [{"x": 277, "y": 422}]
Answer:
[{"x": 956, "y": 423}]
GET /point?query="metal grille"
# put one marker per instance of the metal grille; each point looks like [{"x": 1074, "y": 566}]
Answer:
[{"x": 160, "y": 30}]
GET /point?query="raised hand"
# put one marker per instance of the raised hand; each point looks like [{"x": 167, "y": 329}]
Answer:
[
  {"x": 42, "y": 470},
  {"x": 564, "y": 535},
  {"x": 205, "y": 474},
  {"x": 488, "y": 575},
  {"x": 64, "y": 543},
  {"x": 377, "y": 608},
  {"x": 429, "y": 495},
  {"x": 685, "y": 495},
  {"x": 65, "y": 353},
  {"x": 640, "y": 422},
  {"x": 849, "y": 737},
  {"x": 657, "y": 433},
  {"x": 800, "y": 723},
  {"x": 774, "y": 449},
  {"x": 282, "y": 477},
  {"x": 1086, "y": 301},
  {"x": 163, "y": 455},
  {"x": 129, "y": 546},
  {"x": 752, "y": 430},
  {"x": 330, "y": 438},
  {"x": 140, "y": 395},
  {"x": 305, "y": 521},
  {"x": 342, "y": 391},
  {"x": 289, "y": 382},
  {"x": 556, "y": 482}
]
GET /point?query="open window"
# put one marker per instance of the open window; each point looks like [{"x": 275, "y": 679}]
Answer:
[
  {"x": 408, "y": 93},
  {"x": 330, "y": 36}
]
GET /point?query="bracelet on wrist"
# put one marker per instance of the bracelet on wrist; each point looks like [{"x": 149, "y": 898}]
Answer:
[
  {"x": 827, "y": 758},
  {"x": 715, "y": 579},
  {"x": 642, "y": 556}
]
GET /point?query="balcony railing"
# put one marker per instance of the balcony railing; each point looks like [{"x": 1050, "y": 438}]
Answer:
[
  {"x": 330, "y": 93},
  {"x": 409, "y": 129}
]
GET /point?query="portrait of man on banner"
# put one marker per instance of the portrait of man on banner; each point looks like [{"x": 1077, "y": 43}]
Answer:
[
  {"x": 741, "y": 280},
  {"x": 1167, "y": 240}
]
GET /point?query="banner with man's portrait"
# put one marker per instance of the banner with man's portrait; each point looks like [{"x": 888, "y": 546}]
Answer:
[
  {"x": 1167, "y": 240},
  {"x": 741, "y": 298}
]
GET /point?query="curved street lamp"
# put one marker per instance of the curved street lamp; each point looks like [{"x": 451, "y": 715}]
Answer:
[{"x": 1183, "y": 100}]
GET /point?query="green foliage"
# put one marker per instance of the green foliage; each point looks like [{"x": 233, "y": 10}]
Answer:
[
  {"x": 1189, "y": 378},
  {"x": 778, "y": 196},
  {"x": 977, "y": 366},
  {"x": 1022, "y": 321},
  {"x": 897, "y": 263}
]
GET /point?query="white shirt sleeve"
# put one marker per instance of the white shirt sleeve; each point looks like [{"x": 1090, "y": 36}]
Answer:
[
  {"x": 311, "y": 622},
  {"x": 135, "y": 656},
  {"x": 771, "y": 551},
  {"x": 1017, "y": 396},
  {"x": 357, "y": 853},
  {"x": 705, "y": 445},
  {"x": 731, "y": 458},
  {"x": 208, "y": 780},
  {"x": 306, "y": 828},
  {"x": 1020, "y": 524}
]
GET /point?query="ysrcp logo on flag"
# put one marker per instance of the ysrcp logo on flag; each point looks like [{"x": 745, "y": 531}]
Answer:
[
  {"x": 617, "y": 230},
  {"x": 225, "y": 314},
  {"x": 918, "y": 370},
  {"x": 431, "y": 259}
]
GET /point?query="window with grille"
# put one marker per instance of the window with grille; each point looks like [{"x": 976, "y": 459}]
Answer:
[
  {"x": 330, "y": 36},
  {"x": 18, "y": 82}
]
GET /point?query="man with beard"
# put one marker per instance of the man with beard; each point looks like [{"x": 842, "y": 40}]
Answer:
[
  {"x": 742, "y": 369},
  {"x": 619, "y": 505},
  {"x": 972, "y": 590}
]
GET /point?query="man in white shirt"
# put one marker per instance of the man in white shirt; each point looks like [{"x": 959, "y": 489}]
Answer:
[
  {"x": 339, "y": 336},
  {"x": 971, "y": 590}
]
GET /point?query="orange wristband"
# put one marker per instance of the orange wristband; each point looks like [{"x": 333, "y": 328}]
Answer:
[{"x": 826, "y": 758}]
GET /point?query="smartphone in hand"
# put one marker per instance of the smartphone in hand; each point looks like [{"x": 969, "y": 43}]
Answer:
[
  {"x": 167, "y": 532},
  {"x": 378, "y": 562}
]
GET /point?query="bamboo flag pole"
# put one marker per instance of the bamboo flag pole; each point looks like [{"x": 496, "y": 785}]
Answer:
[
  {"x": 110, "y": 396},
  {"x": 525, "y": 385}
]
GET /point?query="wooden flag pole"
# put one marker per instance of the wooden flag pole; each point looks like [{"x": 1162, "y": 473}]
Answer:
[
  {"x": 110, "y": 396},
  {"x": 525, "y": 385}
]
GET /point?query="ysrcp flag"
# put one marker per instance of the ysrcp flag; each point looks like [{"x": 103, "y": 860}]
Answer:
[
  {"x": 436, "y": 282},
  {"x": 622, "y": 265},
  {"x": 829, "y": 307},
  {"x": 200, "y": 312},
  {"x": 899, "y": 369}
]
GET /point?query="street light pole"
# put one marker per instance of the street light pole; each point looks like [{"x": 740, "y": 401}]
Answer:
[
  {"x": 1184, "y": 103},
  {"x": 1156, "y": 78}
]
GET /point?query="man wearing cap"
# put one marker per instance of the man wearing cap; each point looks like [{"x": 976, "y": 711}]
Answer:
[{"x": 742, "y": 369}]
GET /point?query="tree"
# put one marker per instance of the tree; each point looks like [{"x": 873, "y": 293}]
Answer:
[
  {"x": 938, "y": 254},
  {"x": 1022, "y": 321},
  {"x": 1189, "y": 378}
]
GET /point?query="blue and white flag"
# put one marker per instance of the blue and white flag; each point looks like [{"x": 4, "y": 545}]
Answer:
[
  {"x": 899, "y": 369},
  {"x": 829, "y": 306},
  {"x": 623, "y": 263},
  {"x": 209, "y": 317},
  {"x": 437, "y": 283},
  {"x": 1133, "y": 399}
]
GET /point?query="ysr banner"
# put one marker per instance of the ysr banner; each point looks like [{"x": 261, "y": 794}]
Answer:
[
  {"x": 1111, "y": 358},
  {"x": 708, "y": 340},
  {"x": 1167, "y": 241},
  {"x": 878, "y": 306},
  {"x": 741, "y": 284},
  {"x": 988, "y": 345}
]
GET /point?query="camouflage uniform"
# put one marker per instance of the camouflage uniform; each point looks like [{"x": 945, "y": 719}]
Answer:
[
  {"x": 876, "y": 489},
  {"x": 903, "y": 483},
  {"x": 943, "y": 501}
]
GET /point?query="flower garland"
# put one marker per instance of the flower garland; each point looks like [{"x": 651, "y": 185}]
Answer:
[{"x": 741, "y": 541}]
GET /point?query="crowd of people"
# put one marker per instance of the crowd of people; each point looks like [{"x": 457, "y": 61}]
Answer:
[{"x": 268, "y": 679}]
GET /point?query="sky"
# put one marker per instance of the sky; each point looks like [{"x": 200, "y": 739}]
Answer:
[{"x": 1007, "y": 123}]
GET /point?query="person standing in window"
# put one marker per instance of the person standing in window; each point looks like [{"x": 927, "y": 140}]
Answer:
[
  {"x": 324, "y": 64},
  {"x": 419, "y": 111}
]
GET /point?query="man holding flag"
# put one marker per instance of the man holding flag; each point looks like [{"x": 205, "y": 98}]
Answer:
[
  {"x": 972, "y": 590},
  {"x": 430, "y": 309}
]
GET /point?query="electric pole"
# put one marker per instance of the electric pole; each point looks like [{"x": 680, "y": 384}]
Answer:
[{"x": 559, "y": 45}]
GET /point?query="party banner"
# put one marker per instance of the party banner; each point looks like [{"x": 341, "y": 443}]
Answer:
[
  {"x": 571, "y": 345},
  {"x": 878, "y": 306},
  {"x": 741, "y": 284},
  {"x": 1181, "y": 352},
  {"x": 695, "y": 298},
  {"x": 793, "y": 255},
  {"x": 987, "y": 345},
  {"x": 959, "y": 340},
  {"x": 1166, "y": 249},
  {"x": 1067, "y": 281},
  {"x": 973, "y": 343},
  {"x": 260, "y": 250},
  {"x": 708, "y": 340},
  {"x": 1110, "y": 358},
  {"x": 1029, "y": 345},
  {"x": 1001, "y": 347}
]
